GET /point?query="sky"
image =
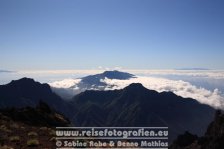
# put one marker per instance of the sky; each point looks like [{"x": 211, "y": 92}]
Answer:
[{"x": 132, "y": 34}]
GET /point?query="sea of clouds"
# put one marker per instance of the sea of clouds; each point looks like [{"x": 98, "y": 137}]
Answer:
[
  {"x": 206, "y": 86},
  {"x": 161, "y": 80},
  {"x": 185, "y": 89}
]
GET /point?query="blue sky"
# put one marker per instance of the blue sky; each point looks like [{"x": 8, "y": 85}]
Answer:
[{"x": 133, "y": 34}]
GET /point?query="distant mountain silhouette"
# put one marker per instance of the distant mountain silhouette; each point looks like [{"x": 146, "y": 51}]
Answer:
[
  {"x": 94, "y": 81},
  {"x": 138, "y": 106},
  {"x": 6, "y": 71},
  {"x": 91, "y": 82},
  {"x": 109, "y": 74}
]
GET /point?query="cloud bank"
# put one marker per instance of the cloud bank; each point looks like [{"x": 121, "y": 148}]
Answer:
[
  {"x": 66, "y": 83},
  {"x": 181, "y": 88},
  {"x": 213, "y": 97},
  {"x": 215, "y": 74}
]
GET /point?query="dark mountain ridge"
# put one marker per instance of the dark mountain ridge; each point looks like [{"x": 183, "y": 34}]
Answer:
[
  {"x": 132, "y": 106},
  {"x": 30, "y": 127},
  {"x": 138, "y": 106},
  {"x": 25, "y": 89},
  {"x": 27, "y": 92},
  {"x": 41, "y": 115},
  {"x": 212, "y": 139}
]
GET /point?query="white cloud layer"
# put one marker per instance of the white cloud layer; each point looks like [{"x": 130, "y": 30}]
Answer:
[
  {"x": 215, "y": 74},
  {"x": 181, "y": 88},
  {"x": 66, "y": 83},
  {"x": 185, "y": 89}
]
